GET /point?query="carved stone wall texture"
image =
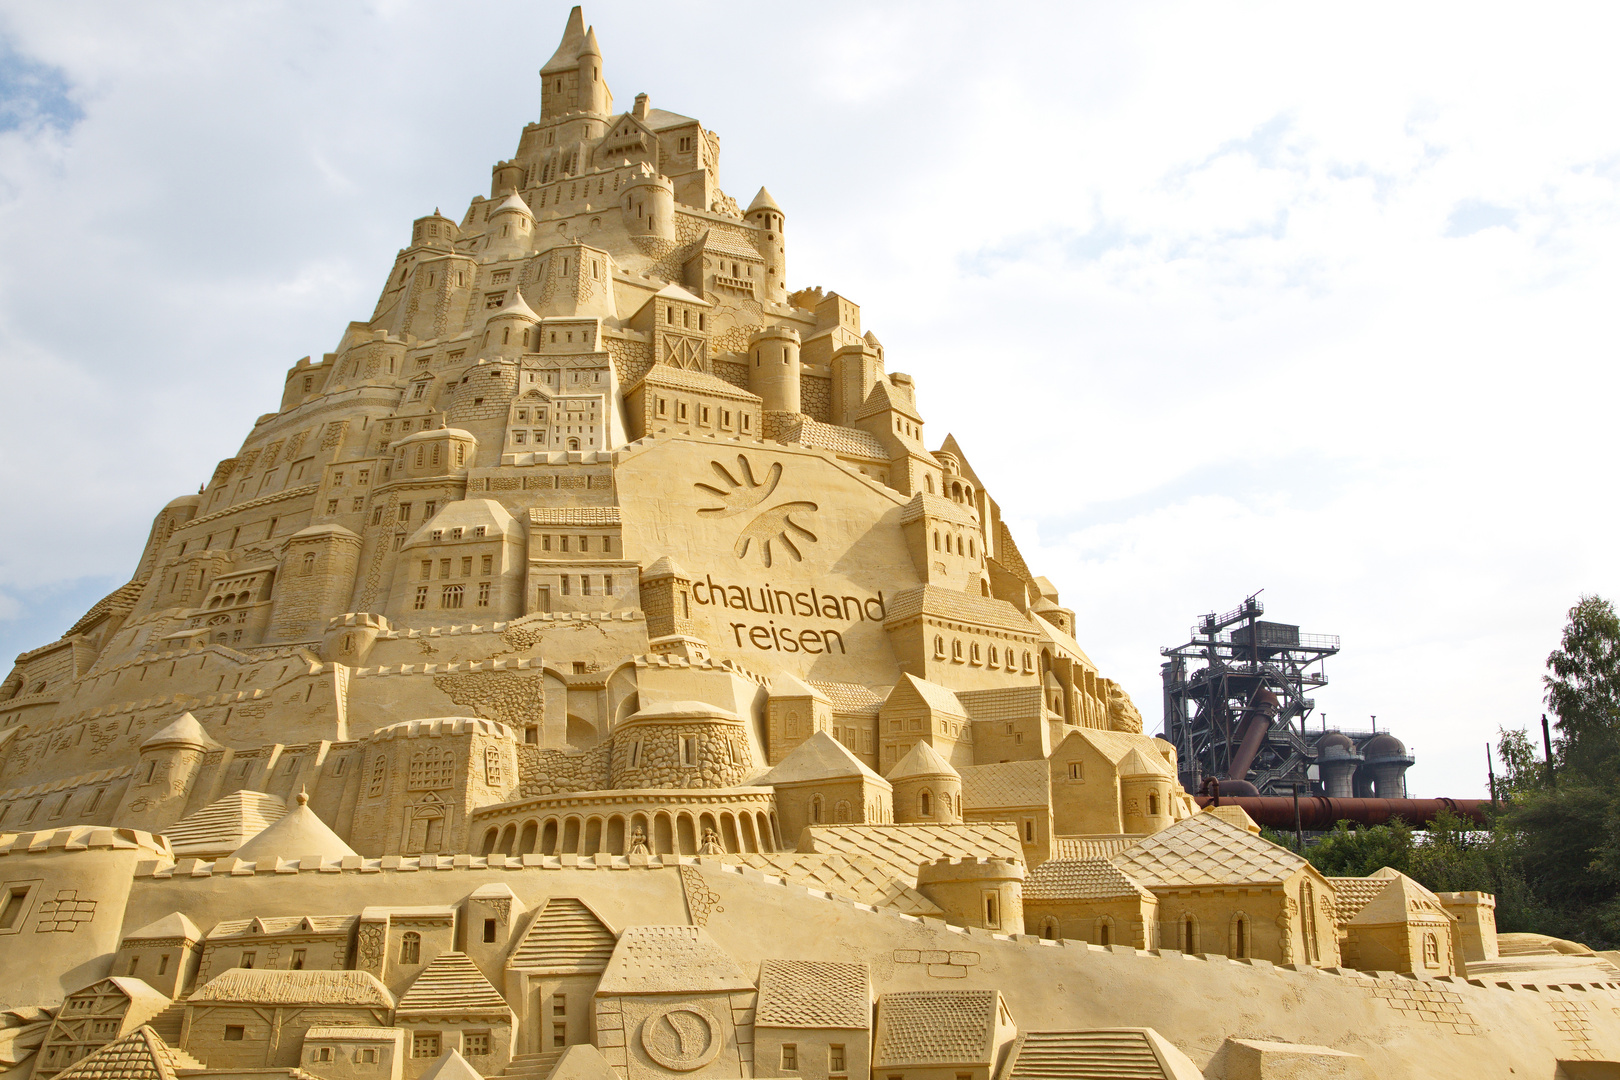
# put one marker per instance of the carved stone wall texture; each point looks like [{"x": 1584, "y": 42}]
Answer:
[{"x": 512, "y": 698}]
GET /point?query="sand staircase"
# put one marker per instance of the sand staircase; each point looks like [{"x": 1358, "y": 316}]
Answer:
[{"x": 533, "y": 1066}]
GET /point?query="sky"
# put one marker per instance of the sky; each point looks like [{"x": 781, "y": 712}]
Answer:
[{"x": 1314, "y": 299}]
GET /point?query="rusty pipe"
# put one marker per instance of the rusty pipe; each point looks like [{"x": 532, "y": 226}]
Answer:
[{"x": 1319, "y": 813}]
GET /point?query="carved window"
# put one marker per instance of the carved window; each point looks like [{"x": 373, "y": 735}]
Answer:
[
  {"x": 410, "y": 952},
  {"x": 483, "y": 594},
  {"x": 815, "y": 810},
  {"x": 431, "y": 770},
  {"x": 450, "y": 596},
  {"x": 1431, "y": 950},
  {"x": 925, "y": 803},
  {"x": 421, "y": 598},
  {"x": 425, "y": 1044},
  {"x": 379, "y": 777},
  {"x": 492, "y": 766}
]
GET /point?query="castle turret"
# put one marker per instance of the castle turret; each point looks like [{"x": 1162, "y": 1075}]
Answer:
[
  {"x": 986, "y": 893},
  {"x": 504, "y": 179},
  {"x": 648, "y": 206},
  {"x": 773, "y": 368},
  {"x": 511, "y": 227},
  {"x": 927, "y": 790},
  {"x": 434, "y": 230},
  {"x": 313, "y": 584},
  {"x": 764, "y": 215},
  {"x": 572, "y": 82},
  {"x": 507, "y": 333},
  {"x": 170, "y": 761},
  {"x": 594, "y": 96},
  {"x": 1144, "y": 794}
]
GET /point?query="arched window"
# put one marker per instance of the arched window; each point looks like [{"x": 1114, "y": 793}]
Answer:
[
  {"x": 1431, "y": 950},
  {"x": 815, "y": 810},
  {"x": 928, "y": 481},
  {"x": 841, "y": 811},
  {"x": 1240, "y": 936},
  {"x": 1049, "y": 928},
  {"x": 309, "y": 563},
  {"x": 925, "y": 803},
  {"x": 936, "y": 539},
  {"x": 573, "y": 444},
  {"x": 939, "y": 646},
  {"x": 1105, "y": 931},
  {"x": 1189, "y": 935},
  {"x": 1307, "y": 919},
  {"x": 410, "y": 948},
  {"x": 1153, "y": 804}
]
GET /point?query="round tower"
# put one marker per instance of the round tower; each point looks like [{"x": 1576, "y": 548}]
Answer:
[
  {"x": 171, "y": 760},
  {"x": 511, "y": 227},
  {"x": 648, "y": 206},
  {"x": 986, "y": 893},
  {"x": 504, "y": 179},
  {"x": 927, "y": 791},
  {"x": 434, "y": 230},
  {"x": 1144, "y": 795},
  {"x": 507, "y": 333},
  {"x": 764, "y": 215},
  {"x": 594, "y": 96},
  {"x": 773, "y": 368}
]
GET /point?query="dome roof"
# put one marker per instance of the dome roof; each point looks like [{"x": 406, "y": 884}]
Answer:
[
  {"x": 1383, "y": 745},
  {"x": 184, "y": 500},
  {"x": 1335, "y": 745}
]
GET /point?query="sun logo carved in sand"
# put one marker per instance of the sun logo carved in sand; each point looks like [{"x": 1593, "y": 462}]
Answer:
[{"x": 771, "y": 531}]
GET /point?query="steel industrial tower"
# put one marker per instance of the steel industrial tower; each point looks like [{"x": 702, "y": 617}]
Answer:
[{"x": 1241, "y": 715}]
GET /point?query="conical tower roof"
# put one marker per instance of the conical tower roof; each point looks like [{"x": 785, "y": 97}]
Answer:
[
  {"x": 516, "y": 305},
  {"x": 572, "y": 44},
  {"x": 512, "y": 202},
  {"x": 185, "y": 731},
  {"x": 763, "y": 201},
  {"x": 299, "y": 834},
  {"x": 590, "y": 48},
  {"x": 921, "y": 760}
]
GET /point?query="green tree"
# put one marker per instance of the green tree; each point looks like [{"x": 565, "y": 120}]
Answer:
[
  {"x": 1583, "y": 690},
  {"x": 1521, "y": 770},
  {"x": 1348, "y": 852}
]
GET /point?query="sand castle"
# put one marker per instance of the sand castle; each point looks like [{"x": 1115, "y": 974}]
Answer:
[{"x": 589, "y": 671}]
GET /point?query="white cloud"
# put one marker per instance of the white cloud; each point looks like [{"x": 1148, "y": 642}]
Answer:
[{"x": 1215, "y": 298}]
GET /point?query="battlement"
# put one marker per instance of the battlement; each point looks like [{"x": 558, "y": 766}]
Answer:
[
  {"x": 83, "y": 838},
  {"x": 969, "y": 868},
  {"x": 444, "y": 725}
]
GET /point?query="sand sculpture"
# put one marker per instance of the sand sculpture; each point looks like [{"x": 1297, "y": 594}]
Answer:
[{"x": 589, "y": 671}]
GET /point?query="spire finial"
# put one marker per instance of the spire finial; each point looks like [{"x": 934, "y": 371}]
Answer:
[{"x": 303, "y": 796}]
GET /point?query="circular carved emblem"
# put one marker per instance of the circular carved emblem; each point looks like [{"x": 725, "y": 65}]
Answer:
[{"x": 681, "y": 1038}]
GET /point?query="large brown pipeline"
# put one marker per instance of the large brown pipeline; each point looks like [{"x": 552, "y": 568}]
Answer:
[{"x": 1320, "y": 813}]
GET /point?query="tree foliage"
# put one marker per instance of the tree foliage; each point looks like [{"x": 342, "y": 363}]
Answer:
[{"x": 1583, "y": 690}]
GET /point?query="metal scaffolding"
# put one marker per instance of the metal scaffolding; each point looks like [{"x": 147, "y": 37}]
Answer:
[{"x": 1241, "y": 715}]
